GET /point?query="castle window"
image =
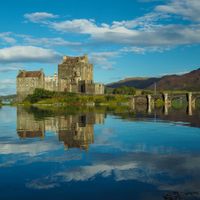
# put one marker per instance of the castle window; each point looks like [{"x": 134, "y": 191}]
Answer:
[{"x": 32, "y": 84}]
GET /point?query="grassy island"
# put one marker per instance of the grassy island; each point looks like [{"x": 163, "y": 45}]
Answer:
[{"x": 41, "y": 96}]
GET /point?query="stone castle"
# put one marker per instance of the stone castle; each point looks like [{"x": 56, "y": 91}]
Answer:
[{"x": 74, "y": 75}]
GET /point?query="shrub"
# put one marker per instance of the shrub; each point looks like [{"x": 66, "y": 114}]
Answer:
[
  {"x": 110, "y": 98},
  {"x": 145, "y": 92},
  {"x": 117, "y": 91},
  {"x": 98, "y": 100},
  {"x": 125, "y": 90},
  {"x": 39, "y": 94}
]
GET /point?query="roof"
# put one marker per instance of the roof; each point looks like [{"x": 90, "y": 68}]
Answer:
[
  {"x": 29, "y": 74},
  {"x": 73, "y": 60}
]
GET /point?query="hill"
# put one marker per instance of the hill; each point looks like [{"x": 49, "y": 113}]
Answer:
[
  {"x": 189, "y": 81},
  {"x": 137, "y": 82},
  {"x": 11, "y": 97}
]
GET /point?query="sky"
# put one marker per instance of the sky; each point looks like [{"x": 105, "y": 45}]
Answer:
[{"x": 129, "y": 38}]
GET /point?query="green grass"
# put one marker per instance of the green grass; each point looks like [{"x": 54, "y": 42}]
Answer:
[{"x": 74, "y": 99}]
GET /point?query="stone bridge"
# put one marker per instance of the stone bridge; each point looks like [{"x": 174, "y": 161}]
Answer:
[{"x": 167, "y": 98}]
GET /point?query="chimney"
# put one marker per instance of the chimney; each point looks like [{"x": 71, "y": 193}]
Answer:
[
  {"x": 85, "y": 55},
  {"x": 20, "y": 71},
  {"x": 41, "y": 71},
  {"x": 24, "y": 73},
  {"x": 65, "y": 57}
]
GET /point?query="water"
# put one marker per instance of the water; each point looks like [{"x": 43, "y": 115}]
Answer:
[{"x": 100, "y": 153}]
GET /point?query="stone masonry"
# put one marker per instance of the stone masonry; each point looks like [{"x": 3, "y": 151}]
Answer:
[{"x": 74, "y": 75}]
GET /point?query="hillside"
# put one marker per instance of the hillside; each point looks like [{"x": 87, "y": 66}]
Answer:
[
  {"x": 11, "y": 97},
  {"x": 138, "y": 83},
  {"x": 189, "y": 81}
]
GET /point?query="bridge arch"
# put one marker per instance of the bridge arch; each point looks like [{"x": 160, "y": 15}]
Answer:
[
  {"x": 172, "y": 97},
  {"x": 194, "y": 100},
  {"x": 155, "y": 97}
]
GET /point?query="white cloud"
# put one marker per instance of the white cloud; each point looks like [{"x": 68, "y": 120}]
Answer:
[
  {"x": 28, "y": 54},
  {"x": 122, "y": 77},
  {"x": 177, "y": 73},
  {"x": 9, "y": 40},
  {"x": 49, "y": 42},
  {"x": 101, "y": 58},
  {"x": 189, "y": 9},
  {"x": 148, "y": 34},
  {"x": 107, "y": 68},
  {"x": 142, "y": 50},
  {"x": 6, "y": 87},
  {"x": 5, "y": 34},
  {"x": 38, "y": 16},
  {"x": 149, "y": 0},
  {"x": 38, "y": 184},
  {"x": 7, "y": 69},
  {"x": 142, "y": 32}
]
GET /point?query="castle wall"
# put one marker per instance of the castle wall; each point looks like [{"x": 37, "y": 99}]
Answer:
[
  {"x": 64, "y": 85},
  {"x": 99, "y": 88},
  {"x": 51, "y": 83},
  {"x": 67, "y": 71},
  {"x": 94, "y": 88},
  {"x": 27, "y": 85}
]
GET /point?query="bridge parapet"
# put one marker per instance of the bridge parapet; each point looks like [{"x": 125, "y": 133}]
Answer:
[{"x": 166, "y": 97}]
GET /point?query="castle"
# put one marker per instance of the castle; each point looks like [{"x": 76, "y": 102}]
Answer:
[{"x": 75, "y": 74}]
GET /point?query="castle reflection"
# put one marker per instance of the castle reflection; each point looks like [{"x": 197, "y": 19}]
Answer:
[
  {"x": 74, "y": 128},
  {"x": 74, "y": 131}
]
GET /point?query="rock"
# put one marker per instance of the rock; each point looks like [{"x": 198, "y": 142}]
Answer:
[{"x": 90, "y": 104}]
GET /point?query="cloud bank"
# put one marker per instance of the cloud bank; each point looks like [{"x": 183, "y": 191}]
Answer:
[{"x": 29, "y": 54}]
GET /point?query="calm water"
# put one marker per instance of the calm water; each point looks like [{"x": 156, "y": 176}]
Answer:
[{"x": 100, "y": 153}]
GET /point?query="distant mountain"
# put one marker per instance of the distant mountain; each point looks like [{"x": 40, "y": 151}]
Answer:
[
  {"x": 136, "y": 82},
  {"x": 189, "y": 81},
  {"x": 8, "y": 97}
]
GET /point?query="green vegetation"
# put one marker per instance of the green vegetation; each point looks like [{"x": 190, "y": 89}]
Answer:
[
  {"x": 40, "y": 113},
  {"x": 12, "y": 97},
  {"x": 42, "y": 96},
  {"x": 145, "y": 92},
  {"x": 125, "y": 90},
  {"x": 159, "y": 103},
  {"x": 39, "y": 94},
  {"x": 109, "y": 90}
]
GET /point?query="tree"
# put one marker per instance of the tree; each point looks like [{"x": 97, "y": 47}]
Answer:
[
  {"x": 132, "y": 91},
  {"x": 117, "y": 91},
  {"x": 124, "y": 89}
]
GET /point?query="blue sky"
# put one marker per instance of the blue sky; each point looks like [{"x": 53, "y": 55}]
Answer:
[{"x": 130, "y": 38}]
